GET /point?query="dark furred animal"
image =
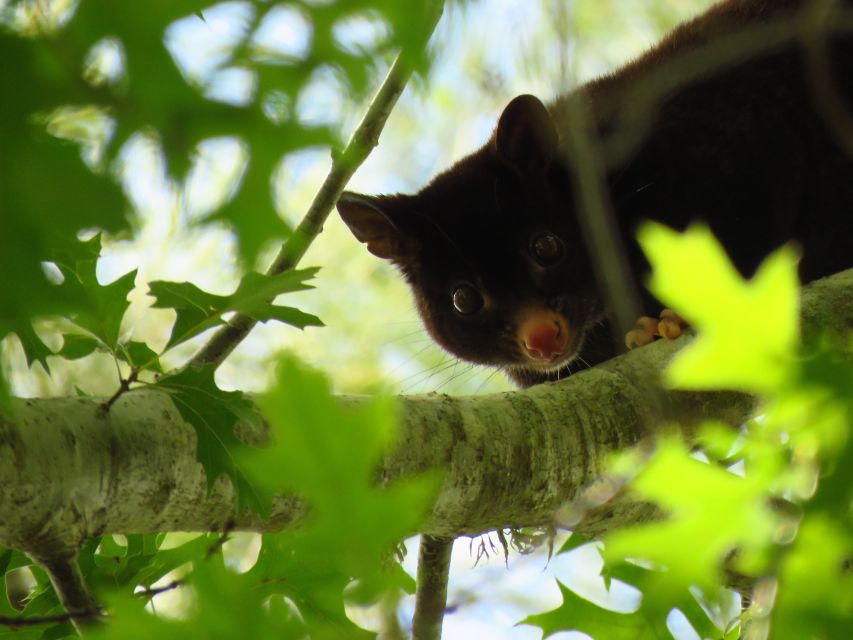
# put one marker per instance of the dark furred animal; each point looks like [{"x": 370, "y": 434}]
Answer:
[{"x": 492, "y": 247}]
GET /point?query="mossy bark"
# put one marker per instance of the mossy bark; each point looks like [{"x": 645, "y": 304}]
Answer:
[{"x": 69, "y": 471}]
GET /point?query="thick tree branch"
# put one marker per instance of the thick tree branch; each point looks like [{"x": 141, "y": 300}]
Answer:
[{"x": 68, "y": 471}]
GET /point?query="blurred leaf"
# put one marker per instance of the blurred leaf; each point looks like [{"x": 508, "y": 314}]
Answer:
[
  {"x": 828, "y": 366},
  {"x": 5, "y": 405},
  {"x": 218, "y": 594},
  {"x": 747, "y": 330},
  {"x": 107, "y": 564},
  {"x": 310, "y": 574},
  {"x": 711, "y": 512},
  {"x": 213, "y": 413},
  {"x": 574, "y": 541},
  {"x": 46, "y": 192},
  {"x": 42, "y": 602},
  {"x": 198, "y": 310},
  {"x": 815, "y": 598},
  {"x": 328, "y": 454}
]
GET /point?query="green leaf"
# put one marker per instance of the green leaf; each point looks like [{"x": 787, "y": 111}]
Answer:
[
  {"x": 574, "y": 541},
  {"x": 48, "y": 194},
  {"x": 100, "y": 308},
  {"x": 75, "y": 346},
  {"x": 218, "y": 593},
  {"x": 108, "y": 564},
  {"x": 577, "y": 614},
  {"x": 213, "y": 413},
  {"x": 198, "y": 310},
  {"x": 328, "y": 454},
  {"x": 5, "y": 405},
  {"x": 815, "y": 597},
  {"x": 711, "y": 512},
  {"x": 35, "y": 350},
  {"x": 139, "y": 356},
  {"x": 747, "y": 330},
  {"x": 308, "y": 572}
]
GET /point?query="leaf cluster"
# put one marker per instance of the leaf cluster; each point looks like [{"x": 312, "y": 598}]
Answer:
[{"x": 767, "y": 507}]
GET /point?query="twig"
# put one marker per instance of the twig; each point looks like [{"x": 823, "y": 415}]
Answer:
[
  {"x": 431, "y": 598},
  {"x": 221, "y": 540},
  {"x": 362, "y": 142},
  {"x": 32, "y": 621},
  {"x": 150, "y": 592},
  {"x": 123, "y": 388},
  {"x": 598, "y": 224}
]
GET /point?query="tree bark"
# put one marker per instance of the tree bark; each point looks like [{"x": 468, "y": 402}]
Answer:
[{"x": 68, "y": 471}]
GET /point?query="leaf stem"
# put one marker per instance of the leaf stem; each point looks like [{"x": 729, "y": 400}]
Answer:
[{"x": 32, "y": 621}]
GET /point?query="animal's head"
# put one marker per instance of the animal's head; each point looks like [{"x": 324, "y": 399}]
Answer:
[{"x": 491, "y": 248}]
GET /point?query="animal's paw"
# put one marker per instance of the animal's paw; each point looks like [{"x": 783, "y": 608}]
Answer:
[
  {"x": 670, "y": 326},
  {"x": 643, "y": 333}
]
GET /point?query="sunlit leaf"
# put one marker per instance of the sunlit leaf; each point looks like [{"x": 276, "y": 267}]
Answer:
[
  {"x": 723, "y": 510},
  {"x": 815, "y": 584},
  {"x": 747, "y": 330}
]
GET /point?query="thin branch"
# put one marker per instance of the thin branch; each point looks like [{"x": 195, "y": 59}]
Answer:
[
  {"x": 344, "y": 165},
  {"x": 596, "y": 216},
  {"x": 150, "y": 592},
  {"x": 221, "y": 540},
  {"x": 124, "y": 387},
  {"x": 71, "y": 588},
  {"x": 33, "y": 621},
  {"x": 431, "y": 598}
]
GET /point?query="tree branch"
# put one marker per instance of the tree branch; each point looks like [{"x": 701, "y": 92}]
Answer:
[
  {"x": 431, "y": 599},
  {"x": 68, "y": 472},
  {"x": 362, "y": 142},
  {"x": 70, "y": 587}
]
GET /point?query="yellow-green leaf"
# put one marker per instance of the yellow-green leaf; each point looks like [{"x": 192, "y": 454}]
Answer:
[{"x": 747, "y": 329}]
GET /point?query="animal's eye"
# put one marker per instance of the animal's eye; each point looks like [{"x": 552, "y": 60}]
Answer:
[
  {"x": 466, "y": 299},
  {"x": 547, "y": 249}
]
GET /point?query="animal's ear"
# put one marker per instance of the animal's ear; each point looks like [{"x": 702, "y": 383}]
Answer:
[
  {"x": 526, "y": 135},
  {"x": 368, "y": 219}
]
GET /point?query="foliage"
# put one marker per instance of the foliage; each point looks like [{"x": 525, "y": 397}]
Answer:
[
  {"x": 769, "y": 503},
  {"x": 92, "y": 82}
]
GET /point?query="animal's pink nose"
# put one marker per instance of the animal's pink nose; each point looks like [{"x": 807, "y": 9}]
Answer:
[{"x": 543, "y": 340}]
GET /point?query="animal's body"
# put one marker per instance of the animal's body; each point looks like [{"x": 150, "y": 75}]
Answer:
[{"x": 492, "y": 247}]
